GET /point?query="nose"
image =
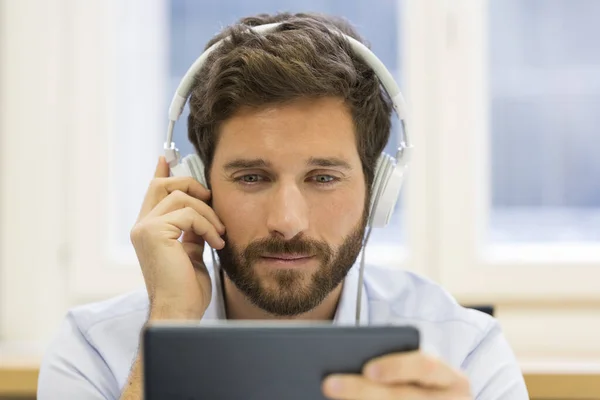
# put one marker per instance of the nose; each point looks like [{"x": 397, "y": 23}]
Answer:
[{"x": 287, "y": 211}]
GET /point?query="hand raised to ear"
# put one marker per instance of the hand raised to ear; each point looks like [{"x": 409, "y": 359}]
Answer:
[{"x": 176, "y": 278}]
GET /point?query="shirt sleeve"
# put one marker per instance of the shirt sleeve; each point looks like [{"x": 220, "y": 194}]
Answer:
[
  {"x": 493, "y": 369},
  {"x": 73, "y": 369}
]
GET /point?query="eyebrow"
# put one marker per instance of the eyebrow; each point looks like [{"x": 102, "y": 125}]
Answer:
[
  {"x": 242, "y": 163},
  {"x": 329, "y": 162}
]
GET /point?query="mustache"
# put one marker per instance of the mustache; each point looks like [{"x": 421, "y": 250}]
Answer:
[{"x": 298, "y": 245}]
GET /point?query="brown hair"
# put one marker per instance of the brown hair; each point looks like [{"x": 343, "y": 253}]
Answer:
[{"x": 301, "y": 59}]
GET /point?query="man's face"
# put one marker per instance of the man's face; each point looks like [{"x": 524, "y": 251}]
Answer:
[{"x": 287, "y": 182}]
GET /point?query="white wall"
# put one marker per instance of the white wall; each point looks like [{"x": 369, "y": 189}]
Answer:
[{"x": 34, "y": 115}]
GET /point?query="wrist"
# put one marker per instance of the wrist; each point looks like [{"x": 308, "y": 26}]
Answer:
[{"x": 164, "y": 311}]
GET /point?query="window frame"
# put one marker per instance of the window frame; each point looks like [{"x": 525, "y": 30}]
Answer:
[{"x": 500, "y": 272}]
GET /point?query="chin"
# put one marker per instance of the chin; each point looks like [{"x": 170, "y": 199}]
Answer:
[{"x": 286, "y": 279}]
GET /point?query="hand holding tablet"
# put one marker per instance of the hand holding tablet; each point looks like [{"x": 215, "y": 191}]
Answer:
[{"x": 412, "y": 375}]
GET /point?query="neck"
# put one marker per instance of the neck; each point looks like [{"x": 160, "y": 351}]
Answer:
[{"x": 239, "y": 307}]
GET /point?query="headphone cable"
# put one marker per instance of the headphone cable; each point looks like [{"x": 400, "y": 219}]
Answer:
[{"x": 361, "y": 273}]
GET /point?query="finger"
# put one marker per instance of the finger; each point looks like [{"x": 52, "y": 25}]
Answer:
[
  {"x": 187, "y": 219},
  {"x": 161, "y": 187},
  {"x": 354, "y": 387},
  {"x": 162, "y": 168},
  {"x": 178, "y": 199},
  {"x": 351, "y": 387},
  {"x": 411, "y": 367}
]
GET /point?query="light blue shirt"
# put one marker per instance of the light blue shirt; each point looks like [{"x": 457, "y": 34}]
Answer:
[{"x": 92, "y": 354}]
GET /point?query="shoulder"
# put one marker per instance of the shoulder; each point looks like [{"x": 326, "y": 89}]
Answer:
[
  {"x": 447, "y": 328},
  {"x": 128, "y": 308},
  {"x": 415, "y": 297},
  {"x": 466, "y": 339},
  {"x": 112, "y": 327},
  {"x": 97, "y": 343}
]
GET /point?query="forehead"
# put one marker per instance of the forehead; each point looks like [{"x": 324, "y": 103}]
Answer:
[{"x": 302, "y": 128}]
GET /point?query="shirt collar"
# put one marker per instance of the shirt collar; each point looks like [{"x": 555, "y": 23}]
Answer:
[{"x": 344, "y": 315}]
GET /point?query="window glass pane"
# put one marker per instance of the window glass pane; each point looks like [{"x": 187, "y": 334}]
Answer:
[
  {"x": 545, "y": 103},
  {"x": 193, "y": 23}
]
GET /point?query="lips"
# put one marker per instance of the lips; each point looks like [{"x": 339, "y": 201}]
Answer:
[{"x": 287, "y": 257}]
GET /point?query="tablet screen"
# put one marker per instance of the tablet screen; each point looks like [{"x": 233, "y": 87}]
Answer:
[{"x": 233, "y": 361}]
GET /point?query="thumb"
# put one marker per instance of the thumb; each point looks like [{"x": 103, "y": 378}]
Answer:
[{"x": 162, "y": 168}]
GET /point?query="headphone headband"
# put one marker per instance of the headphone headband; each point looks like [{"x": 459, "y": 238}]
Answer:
[{"x": 385, "y": 77}]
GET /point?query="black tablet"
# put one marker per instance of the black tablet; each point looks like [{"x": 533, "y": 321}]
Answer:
[{"x": 257, "y": 361}]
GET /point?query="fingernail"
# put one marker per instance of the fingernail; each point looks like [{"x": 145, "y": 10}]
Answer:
[
  {"x": 373, "y": 371},
  {"x": 334, "y": 384}
]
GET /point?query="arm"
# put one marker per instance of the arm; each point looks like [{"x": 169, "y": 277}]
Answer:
[
  {"x": 134, "y": 388},
  {"x": 176, "y": 278}
]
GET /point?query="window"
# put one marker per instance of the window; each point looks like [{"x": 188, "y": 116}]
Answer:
[
  {"x": 516, "y": 168},
  {"x": 545, "y": 96}
]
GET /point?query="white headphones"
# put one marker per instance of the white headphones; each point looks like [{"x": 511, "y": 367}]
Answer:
[{"x": 389, "y": 171}]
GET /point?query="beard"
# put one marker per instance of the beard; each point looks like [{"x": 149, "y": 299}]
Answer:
[{"x": 287, "y": 293}]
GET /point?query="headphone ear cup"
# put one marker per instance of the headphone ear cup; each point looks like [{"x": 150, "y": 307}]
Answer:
[
  {"x": 378, "y": 185},
  {"x": 196, "y": 167},
  {"x": 385, "y": 190}
]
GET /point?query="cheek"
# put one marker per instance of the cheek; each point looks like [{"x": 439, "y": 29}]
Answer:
[
  {"x": 240, "y": 216},
  {"x": 336, "y": 218}
]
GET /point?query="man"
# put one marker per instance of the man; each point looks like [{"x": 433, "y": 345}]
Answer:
[{"x": 289, "y": 125}]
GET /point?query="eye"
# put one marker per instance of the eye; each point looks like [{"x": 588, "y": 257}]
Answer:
[
  {"x": 251, "y": 178},
  {"x": 325, "y": 179}
]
